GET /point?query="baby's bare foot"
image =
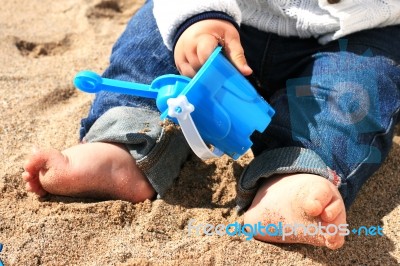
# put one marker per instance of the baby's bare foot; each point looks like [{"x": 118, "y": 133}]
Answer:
[
  {"x": 98, "y": 170},
  {"x": 305, "y": 205}
]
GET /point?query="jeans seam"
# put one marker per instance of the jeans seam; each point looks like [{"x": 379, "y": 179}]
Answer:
[{"x": 389, "y": 127}]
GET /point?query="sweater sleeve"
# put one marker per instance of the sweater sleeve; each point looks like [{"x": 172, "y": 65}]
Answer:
[
  {"x": 170, "y": 15},
  {"x": 354, "y": 17}
]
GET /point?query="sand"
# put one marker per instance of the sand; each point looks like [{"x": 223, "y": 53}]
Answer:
[{"x": 43, "y": 44}]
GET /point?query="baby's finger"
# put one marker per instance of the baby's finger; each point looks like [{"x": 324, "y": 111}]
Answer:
[
  {"x": 186, "y": 69},
  {"x": 205, "y": 47},
  {"x": 182, "y": 63},
  {"x": 235, "y": 53},
  {"x": 193, "y": 59}
]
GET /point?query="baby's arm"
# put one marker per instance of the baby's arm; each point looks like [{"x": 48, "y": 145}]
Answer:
[{"x": 199, "y": 40}]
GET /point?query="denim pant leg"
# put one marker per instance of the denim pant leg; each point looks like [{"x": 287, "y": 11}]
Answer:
[
  {"x": 139, "y": 56},
  {"x": 336, "y": 109}
]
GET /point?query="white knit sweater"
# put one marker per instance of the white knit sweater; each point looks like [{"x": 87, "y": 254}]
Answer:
[{"x": 303, "y": 18}]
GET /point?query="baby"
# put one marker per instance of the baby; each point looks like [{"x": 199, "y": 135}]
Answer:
[{"x": 336, "y": 99}]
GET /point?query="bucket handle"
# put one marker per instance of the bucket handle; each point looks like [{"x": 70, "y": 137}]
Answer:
[{"x": 180, "y": 108}]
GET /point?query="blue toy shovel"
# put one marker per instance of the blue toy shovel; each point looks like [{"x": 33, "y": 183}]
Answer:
[{"x": 218, "y": 106}]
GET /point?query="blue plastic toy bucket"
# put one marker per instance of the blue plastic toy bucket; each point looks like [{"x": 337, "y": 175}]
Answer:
[{"x": 227, "y": 108}]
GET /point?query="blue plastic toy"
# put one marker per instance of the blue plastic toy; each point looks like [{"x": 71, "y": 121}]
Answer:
[
  {"x": 1, "y": 248},
  {"x": 218, "y": 106}
]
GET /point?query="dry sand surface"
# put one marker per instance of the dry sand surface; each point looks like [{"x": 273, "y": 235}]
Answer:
[{"x": 43, "y": 44}]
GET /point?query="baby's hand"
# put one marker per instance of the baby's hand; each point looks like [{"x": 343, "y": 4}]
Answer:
[{"x": 198, "y": 41}]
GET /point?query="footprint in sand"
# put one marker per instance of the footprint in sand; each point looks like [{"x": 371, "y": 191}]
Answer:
[
  {"x": 32, "y": 49},
  {"x": 57, "y": 96},
  {"x": 116, "y": 9},
  {"x": 104, "y": 9}
]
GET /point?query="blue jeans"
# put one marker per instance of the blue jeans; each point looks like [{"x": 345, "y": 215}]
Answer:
[{"x": 336, "y": 106}]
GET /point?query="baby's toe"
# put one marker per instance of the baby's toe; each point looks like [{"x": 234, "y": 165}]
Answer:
[
  {"x": 334, "y": 241},
  {"x": 332, "y": 210},
  {"x": 35, "y": 163},
  {"x": 27, "y": 177},
  {"x": 336, "y": 230},
  {"x": 35, "y": 187}
]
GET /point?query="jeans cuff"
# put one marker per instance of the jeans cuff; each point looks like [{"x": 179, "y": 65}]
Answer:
[
  {"x": 288, "y": 160},
  {"x": 159, "y": 149}
]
